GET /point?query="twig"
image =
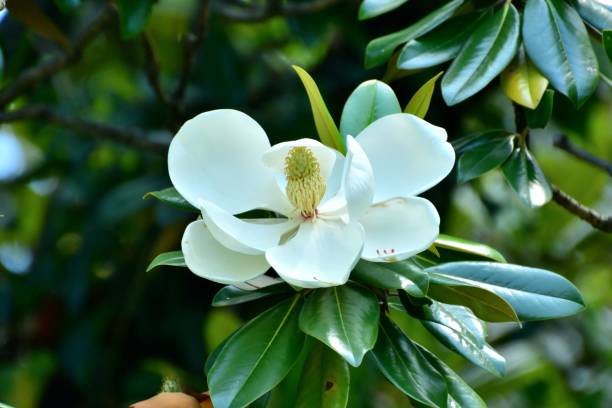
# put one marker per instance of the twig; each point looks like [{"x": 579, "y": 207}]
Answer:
[
  {"x": 31, "y": 77},
  {"x": 581, "y": 211},
  {"x": 152, "y": 69},
  {"x": 563, "y": 143},
  {"x": 260, "y": 13},
  {"x": 130, "y": 137}
]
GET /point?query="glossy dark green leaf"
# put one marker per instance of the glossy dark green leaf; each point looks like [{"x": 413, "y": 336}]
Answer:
[
  {"x": 607, "y": 43},
  {"x": 487, "y": 156},
  {"x": 526, "y": 178},
  {"x": 522, "y": 82},
  {"x": 210, "y": 360},
  {"x": 598, "y": 15},
  {"x": 133, "y": 16},
  {"x": 373, "y": 8},
  {"x": 460, "y": 395},
  {"x": 558, "y": 44},
  {"x": 439, "y": 45},
  {"x": 459, "y": 330},
  {"x": 173, "y": 258},
  {"x": 474, "y": 140},
  {"x": 403, "y": 363},
  {"x": 257, "y": 357},
  {"x": 419, "y": 103},
  {"x": 171, "y": 196},
  {"x": 326, "y": 127},
  {"x": 539, "y": 117},
  {"x": 343, "y": 317},
  {"x": 486, "y": 53},
  {"x": 231, "y": 295},
  {"x": 380, "y": 49},
  {"x": 535, "y": 294},
  {"x": 470, "y": 247},
  {"x": 369, "y": 101},
  {"x": 325, "y": 380},
  {"x": 485, "y": 303},
  {"x": 406, "y": 275}
]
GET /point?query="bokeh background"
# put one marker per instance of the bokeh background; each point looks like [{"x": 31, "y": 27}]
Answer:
[{"x": 83, "y": 324}]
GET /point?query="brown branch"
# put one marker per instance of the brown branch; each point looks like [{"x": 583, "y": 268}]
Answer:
[
  {"x": 563, "y": 143},
  {"x": 31, "y": 77},
  {"x": 260, "y": 13},
  {"x": 583, "y": 212},
  {"x": 127, "y": 136}
]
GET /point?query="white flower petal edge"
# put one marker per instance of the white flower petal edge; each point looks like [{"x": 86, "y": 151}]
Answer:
[
  {"x": 321, "y": 254},
  {"x": 216, "y": 152},
  {"x": 399, "y": 228},
  {"x": 358, "y": 180},
  {"x": 408, "y": 155},
  {"x": 207, "y": 258},
  {"x": 250, "y": 237},
  {"x": 274, "y": 158}
]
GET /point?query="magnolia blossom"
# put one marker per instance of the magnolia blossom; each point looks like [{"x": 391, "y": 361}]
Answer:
[{"x": 331, "y": 209}]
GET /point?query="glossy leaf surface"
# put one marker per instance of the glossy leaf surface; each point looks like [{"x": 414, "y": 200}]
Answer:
[
  {"x": 404, "y": 275},
  {"x": 419, "y": 103},
  {"x": 470, "y": 247},
  {"x": 173, "y": 258},
  {"x": 373, "y": 8},
  {"x": 539, "y": 117},
  {"x": 171, "y": 196},
  {"x": 526, "y": 178},
  {"x": 231, "y": 295},
  {"x": 484, "y": 157},
  {"x": 522, "y": 82}
]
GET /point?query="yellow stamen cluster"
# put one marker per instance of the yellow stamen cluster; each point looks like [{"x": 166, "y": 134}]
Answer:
[{"x": 305, "y": 186}]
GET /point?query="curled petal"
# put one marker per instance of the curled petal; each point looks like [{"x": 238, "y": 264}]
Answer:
[
  {"x": 399, "y": 228},
  {"x": 216, "y": 156},
  {"x": 408, "y": 155},
  {"x": 207, "y": 258},
  {"x": 321, "y": 254}
]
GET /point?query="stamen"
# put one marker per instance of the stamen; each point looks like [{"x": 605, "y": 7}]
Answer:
[{"x": 305, "y": 186}]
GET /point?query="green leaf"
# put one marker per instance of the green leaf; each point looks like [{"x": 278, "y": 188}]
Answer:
[
  {"x": 460, "y": 394},
  {"x": 558, "y": 44},
  {"x": 369, "y": 101},
  {"x": 404, "y": 275},
  {"x": 31, "y": 15},
  {"x": 232, "y": 295},
  {"x": 326, "y": 128},
  {"x": 453, "y": 326},
  {"x": 470, "y": 247},
  {"x": 598, "y": 15},
  {"x": 539, "y": 117},
  {"x": 2, "y": 405},
  {"x": 133, "y": 16},
  {"x": 440, "y": 45},
  {"x": 325, "y": 380},
  {"x": 373, "y": 8},
  {"x": 172, "y": 258},
  {"x": 380, "y": 49},
  {"x": 419, "y": 103},
  {"x": 465, "y": 143},
  {"x": 485, "y": 304},
  {"x": 402, "y": 363},
  {"x": 522, "y": 82},
  {"x": 67, "y": 5},
  {"x": 607, "y": 43},
  {"x": 535, "y": 294},
  {"x": 484, "y": 157},
  {"x": 212, "y": 357},
  {"x": 257, "y": 357},
  {"x": 526, "y": 178},
  {"x": 171, "y": 196},
  {"x": 343, "y": 317},
  {"x": 486, "y": 53}
]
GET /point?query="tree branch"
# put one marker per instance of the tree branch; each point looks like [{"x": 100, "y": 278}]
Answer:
[
  {"x": 29, "y": 78},
  {"x": 127, "y": 136},
  {"x": 581, "y": 211},
  {"x": 563, "y": 143},
  {"x": 260, "y": 13},
  {"x": 152, "y": 69}
]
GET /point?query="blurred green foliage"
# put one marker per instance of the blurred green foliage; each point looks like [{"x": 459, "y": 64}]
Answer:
[{"x": 83, "y": 324}]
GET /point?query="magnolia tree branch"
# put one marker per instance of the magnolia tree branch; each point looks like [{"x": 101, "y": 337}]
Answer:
[
  {"x": 563, "y": 143},
  {"x": 31, "y": 77},
  {"x": 272, "y": 9},
  {"x": 581, "y": 211},
  {"x": 127, "y": 136}
]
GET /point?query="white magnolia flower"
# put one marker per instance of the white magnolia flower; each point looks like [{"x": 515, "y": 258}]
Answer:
[{"x": 333, "y": 209}]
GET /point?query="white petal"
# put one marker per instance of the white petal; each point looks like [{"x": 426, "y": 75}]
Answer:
[
  {"x": 399, "y": 228},
  {"x": 216, "y": 156},
  {"x": 321, "y": 254},
  {"x": 408, "y": 155},
  {"x": 274, "y": 158},
  {"x": 259, "y": 282},
  {"x": 358, "y": 180},
  {"x": 209, "y": 259},
  {"x": 251, "y": 237}
]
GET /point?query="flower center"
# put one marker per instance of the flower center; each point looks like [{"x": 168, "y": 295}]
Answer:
[{"x": 305, "y": 186}]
